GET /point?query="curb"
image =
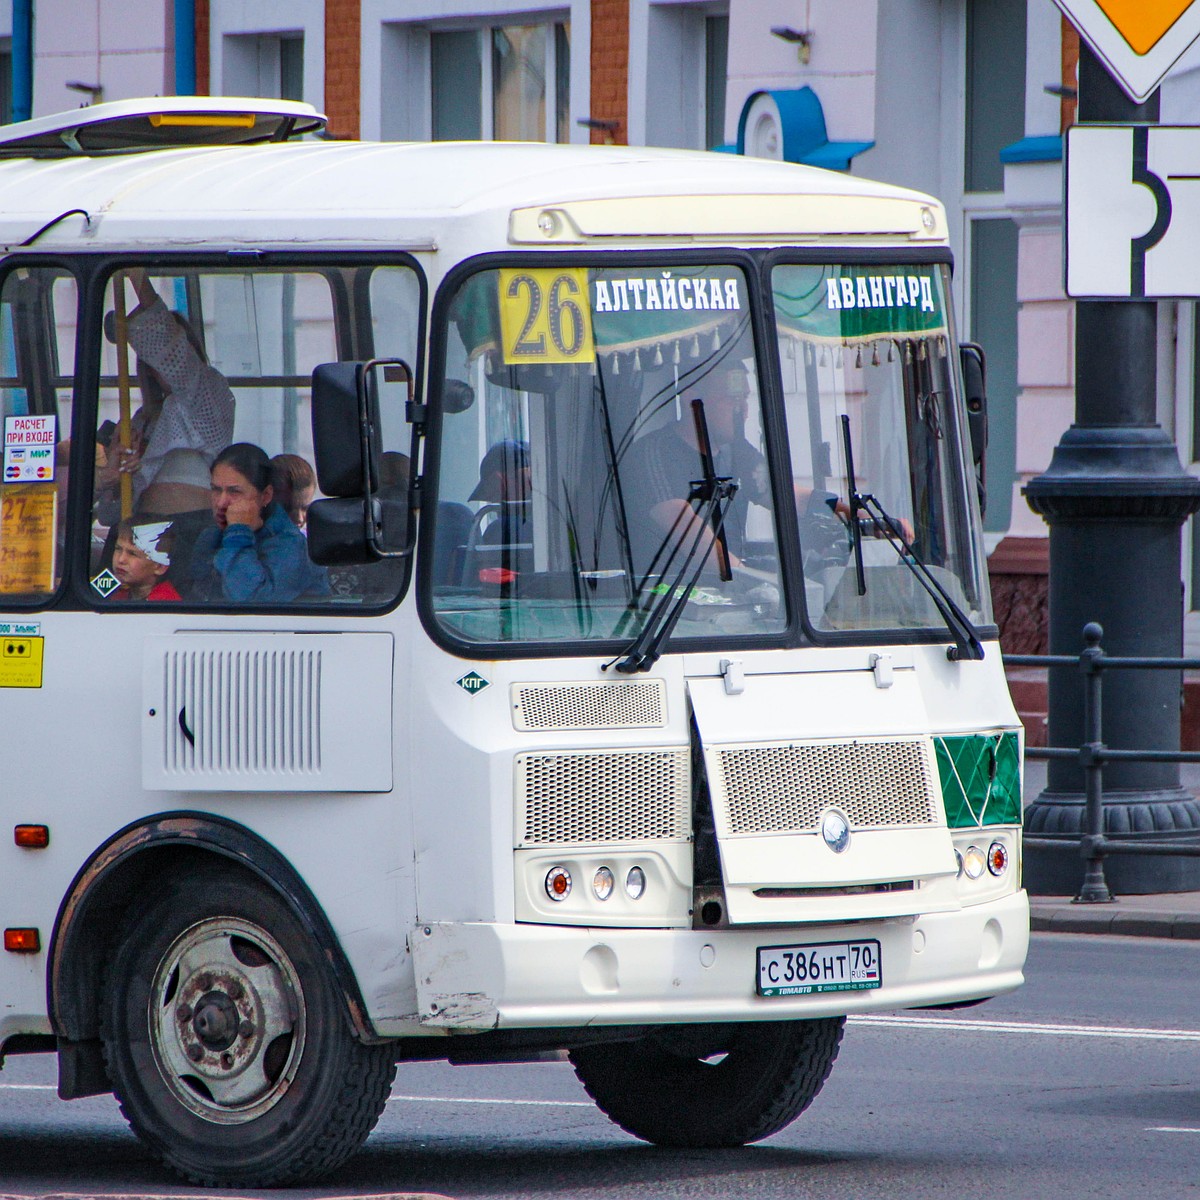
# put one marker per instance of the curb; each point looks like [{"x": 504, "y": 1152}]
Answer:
[{"x": 1112, "y": 919}]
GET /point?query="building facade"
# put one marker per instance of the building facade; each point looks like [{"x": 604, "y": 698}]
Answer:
[{"x": 967, "y": 99}]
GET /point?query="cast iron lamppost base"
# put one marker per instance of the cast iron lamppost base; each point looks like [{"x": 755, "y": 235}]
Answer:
[{"x": 1115, "y": 497}]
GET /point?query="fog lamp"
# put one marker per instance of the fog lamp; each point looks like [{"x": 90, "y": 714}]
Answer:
[
  {"x": 997, "y": 859},
  {"x": 558, "y": 883},
  {"x": 602, "y": 883},
  {"x": 973, "y": 862},
  {"x": 635, "y": 882}
]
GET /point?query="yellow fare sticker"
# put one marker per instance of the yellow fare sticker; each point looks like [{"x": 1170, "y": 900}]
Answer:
[
  {"x": 28, "y": 539},
  {"x": 21, "y": 661},
  {"x": 545, "y": 316}
]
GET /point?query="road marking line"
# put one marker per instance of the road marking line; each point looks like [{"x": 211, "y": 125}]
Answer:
[
  {"x": 1170, "y": 1129},
  {"x": 224, "y": 1196},
  {"x": 487, "y": 1100},
  {"x": 28, "y": 1087},
  {"x": 960, "y": 1024}
]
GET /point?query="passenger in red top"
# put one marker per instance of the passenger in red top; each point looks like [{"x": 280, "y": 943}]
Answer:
[{"x": 141, "y": 559}]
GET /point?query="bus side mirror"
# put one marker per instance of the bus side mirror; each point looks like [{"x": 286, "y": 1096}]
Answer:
[
  {"x": 975, "y": 385},
  {"x": 342, "y": 393},
  {"x": 355, "y": 521},
  {"x": 974, "y": 369}
]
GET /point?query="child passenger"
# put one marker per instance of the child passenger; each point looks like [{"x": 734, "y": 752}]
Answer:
[
  {"x": 295, "y": 484},
  {"x": 141, "y": 559}
]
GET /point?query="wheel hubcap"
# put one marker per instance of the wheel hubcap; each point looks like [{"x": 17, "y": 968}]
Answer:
[
  {"x": 227, "y": 1020},
  {"x": 216, "y": 1021}
]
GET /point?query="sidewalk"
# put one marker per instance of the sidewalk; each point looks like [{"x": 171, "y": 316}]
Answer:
[{"x": 1168, "y": 915}]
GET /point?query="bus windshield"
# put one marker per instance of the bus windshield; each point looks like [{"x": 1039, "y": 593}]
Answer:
[
  {"x": 576, "y": 499},
  {"x": 573, "y": 494},
  {"x": 869, "y": 351}
]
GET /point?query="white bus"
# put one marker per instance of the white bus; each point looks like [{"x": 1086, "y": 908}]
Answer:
[{"x": 630, "y": 687}]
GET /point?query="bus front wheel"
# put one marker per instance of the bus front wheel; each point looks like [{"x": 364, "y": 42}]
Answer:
[
  {"x": 711, "y": 1086},
  {"x": 226, "y": 1040}
]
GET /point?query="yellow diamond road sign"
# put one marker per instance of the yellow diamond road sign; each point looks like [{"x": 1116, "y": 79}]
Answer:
[{"x": 1139, "y": 41}]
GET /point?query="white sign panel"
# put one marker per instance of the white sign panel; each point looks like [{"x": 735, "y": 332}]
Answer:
[
  {"x": 28, "y": 449},
  {"x": 1139, "y": 41},
  {"x": 1133, "y": 212}
]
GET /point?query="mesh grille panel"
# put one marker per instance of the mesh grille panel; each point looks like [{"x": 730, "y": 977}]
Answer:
[
  {"x": 604, "y": 796},
  {"x": 641, "y": 705},
  {"x": 780, "y": 789}
]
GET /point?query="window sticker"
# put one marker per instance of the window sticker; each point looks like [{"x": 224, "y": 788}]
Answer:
[
  {"x": 28, "y": 515},
  {"x": 849, "y": 304},
  {"x": 544, "y": 315},
  {"x": 29, "y": 449},
  {"x": 668, "y": 292},
  {"x": 21, "y": 661},
  {"x": 105, "y": 583}
]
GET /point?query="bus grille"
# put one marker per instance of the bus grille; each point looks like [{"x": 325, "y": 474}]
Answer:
[
  {"x": 603, "y": 796},
  {"x": 640, "y": 705},
  {"x": 786, "y": 788}
]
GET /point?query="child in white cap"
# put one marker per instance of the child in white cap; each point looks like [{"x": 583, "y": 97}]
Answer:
[{"x": 141, "y": 557}]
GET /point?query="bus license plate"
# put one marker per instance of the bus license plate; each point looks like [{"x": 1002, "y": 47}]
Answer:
[{"x": 823, "y": 967}]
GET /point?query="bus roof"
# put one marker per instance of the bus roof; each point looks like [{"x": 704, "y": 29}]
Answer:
[{"x": 412, "y": 195}]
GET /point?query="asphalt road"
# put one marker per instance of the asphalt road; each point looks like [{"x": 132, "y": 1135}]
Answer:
[{"x": 1084, "y": 1083}]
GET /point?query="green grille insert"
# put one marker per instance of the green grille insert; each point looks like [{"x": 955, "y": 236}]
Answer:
[{"x": 981, "y": 779}]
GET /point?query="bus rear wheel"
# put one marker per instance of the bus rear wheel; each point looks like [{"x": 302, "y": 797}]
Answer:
[
  {"x": 227, "y": 1042},
  {"x": 711, "y": 1086}
]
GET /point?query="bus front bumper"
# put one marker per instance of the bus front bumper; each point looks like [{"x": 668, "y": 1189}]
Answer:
[{"x": 477, "y": 976}]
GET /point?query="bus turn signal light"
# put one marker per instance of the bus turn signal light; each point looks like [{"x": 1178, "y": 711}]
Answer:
[
  {"x": 32, "y": 837},
  {"x": 22, "y": 941}
]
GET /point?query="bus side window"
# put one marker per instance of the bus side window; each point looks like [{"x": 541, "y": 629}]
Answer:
[
  {"x": 205, "y": 402},
  {"x": 37, "y": 366}
]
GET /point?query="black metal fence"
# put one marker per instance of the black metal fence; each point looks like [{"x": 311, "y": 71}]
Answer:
[{"x": 1094, "y": 755}]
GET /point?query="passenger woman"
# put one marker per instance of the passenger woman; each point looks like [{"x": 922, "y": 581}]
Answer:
[{"x": 253, "y": 552}]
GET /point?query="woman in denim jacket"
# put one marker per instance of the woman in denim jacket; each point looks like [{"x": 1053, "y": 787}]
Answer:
[{"x": 254, "y": 553}]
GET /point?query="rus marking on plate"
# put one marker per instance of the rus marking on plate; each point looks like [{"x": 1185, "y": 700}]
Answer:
[{"x": 472, "y": 683}]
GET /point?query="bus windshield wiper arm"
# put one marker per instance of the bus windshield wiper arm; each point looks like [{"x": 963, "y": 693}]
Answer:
[
  {"x": 856, "y": 506},
  {"x": 966, "y": 639},
  {"x": 714, "y": 493}
]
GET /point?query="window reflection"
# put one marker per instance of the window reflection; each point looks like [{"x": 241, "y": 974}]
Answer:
[
  {"x": 873, "y": 344},
  {"x": 572, "y": 493}
]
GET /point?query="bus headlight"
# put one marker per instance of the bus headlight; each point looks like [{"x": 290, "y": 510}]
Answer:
[
  {"x": 974, "y": 862},
  {"x": 602, "y": 883},
  {"x": 635, "y": 883}
]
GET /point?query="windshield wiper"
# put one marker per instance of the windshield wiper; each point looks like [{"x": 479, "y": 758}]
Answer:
[
  {"x": 856, "y": 505},
  {"x": 966, "y": 638},
  {"x": 713, "y": 493}
]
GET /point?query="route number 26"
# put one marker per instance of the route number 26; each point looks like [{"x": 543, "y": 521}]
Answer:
[{"x": 545, "y": 316}]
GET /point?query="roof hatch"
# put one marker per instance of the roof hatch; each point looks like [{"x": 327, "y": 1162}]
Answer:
[{"x": 127, "y": 126}]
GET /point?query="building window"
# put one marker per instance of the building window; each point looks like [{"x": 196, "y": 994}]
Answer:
[
  {"x": 993, "y": 286},
  {"x": 995, "y": 101},
  {"x": 291, "y": 67},
  {"x": 508, "y": 82},
  {"x": 268, "y": 64},
  {"x": 456, "y": 75},
  {"x": 716, "y": 71},
  {"x": 678, "y": 69},
  {"x": 6, "y": 108}
]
